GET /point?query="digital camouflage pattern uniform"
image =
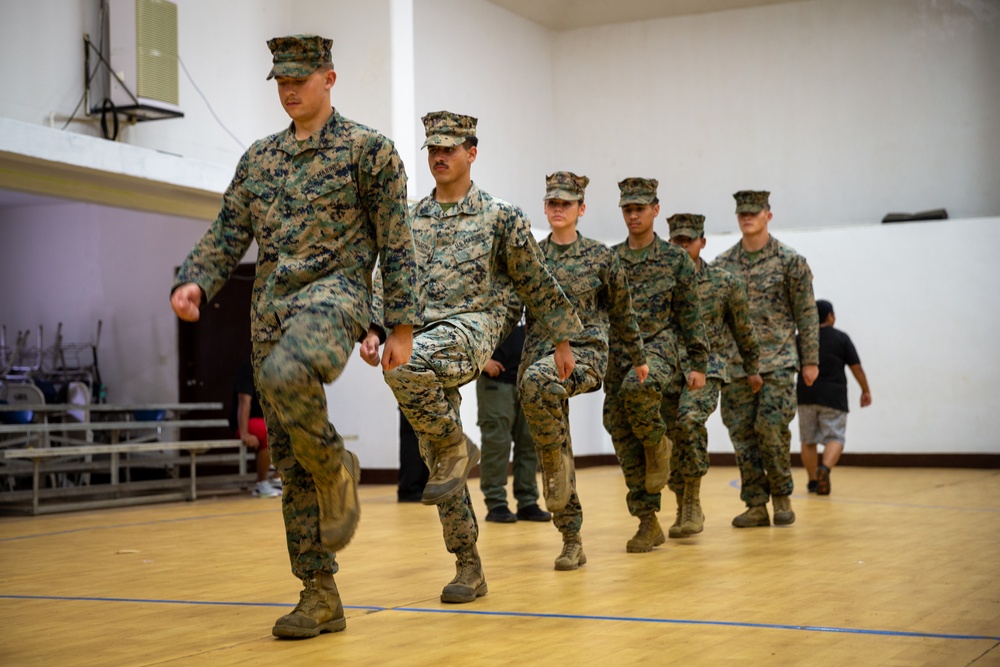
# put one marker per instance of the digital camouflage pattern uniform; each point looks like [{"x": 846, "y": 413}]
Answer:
[
  {"x": 662, "y": 281},
  {"x": 726, "y": 314},
  {"x": 592, "y": 277},
  {"x": 471, "y": 260},
  {"x": 779, "y": 288},
  {"x": 320, "y": 211}
]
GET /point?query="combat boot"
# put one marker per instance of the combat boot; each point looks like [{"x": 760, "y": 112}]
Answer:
[
  {"x": 555, "y": 477},
  {"x": 572, "y": 555},
  {"x": 648, "y": 536},
  {"x": 783, "y": 514},
  {"x": 658, "y": 464},
  {"x": 319, "y": 610},
  {"x": 469, "y": 582},
  {"x": 693, "y": 519},
  {"x": 452, "y": 465},
  {"x": 675, "y": 529},
  {"x": 753, "y": 517},
  {"x": 339, "y": 507}
]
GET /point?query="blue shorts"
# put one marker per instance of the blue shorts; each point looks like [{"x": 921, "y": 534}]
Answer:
[{"x": 819, "y": 424}]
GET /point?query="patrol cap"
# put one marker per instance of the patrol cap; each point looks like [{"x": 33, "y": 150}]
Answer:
[
  {"x": 298, "y": 55},
  {"x": 690, "y": 225},
  {"x": 637, "y": 191},
  {"x": 444, "y": 128},
  {"x": 565, "y": 186},
  {"x": 751, "y": 201}
]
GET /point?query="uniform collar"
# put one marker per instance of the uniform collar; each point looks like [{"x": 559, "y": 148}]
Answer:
[
  {"x": 471, "y": 204},
  {"x": 327, "y": 136}
]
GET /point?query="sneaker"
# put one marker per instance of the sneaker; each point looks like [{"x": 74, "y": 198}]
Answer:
[
  {"x": 822, "y": 481},
  {"x": 533, "y": 513},
  {"x": 501, "y": 514},
  {"x": 264, "y": 490},
  {"x": 811, "y": 486},
  {"x": 273, "y": 478}
]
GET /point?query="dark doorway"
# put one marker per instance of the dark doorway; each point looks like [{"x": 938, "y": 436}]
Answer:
[{"x": 211, "y": 350}]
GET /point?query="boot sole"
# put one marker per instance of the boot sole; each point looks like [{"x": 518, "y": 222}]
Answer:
[
  {"x": 291, "y": 632},
  {"x": 337, "y": 540},
  {"x": 429, "y": 497},
  {"x": 456, "y": 598}
]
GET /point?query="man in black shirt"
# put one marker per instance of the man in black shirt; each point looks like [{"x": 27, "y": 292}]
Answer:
[{"x": 823, "y": 406}]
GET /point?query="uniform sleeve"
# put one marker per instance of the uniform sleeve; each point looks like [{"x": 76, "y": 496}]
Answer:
[
  {"x": 687, "y": 309},
  {"x": 619, "y": 306},
  {"x": 382, "y": 188},
  {"x": 378, "y": 311},
  {"x": 737, "y": 318},
  {"x": 804, "y": 310},
  {"x": 215, "y": 256},
  {"x": 535, "y": 286}
]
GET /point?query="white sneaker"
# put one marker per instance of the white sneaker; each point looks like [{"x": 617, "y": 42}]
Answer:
[
  {"x": 264, "y": 490},
  {"x": 273, "y": 478}
]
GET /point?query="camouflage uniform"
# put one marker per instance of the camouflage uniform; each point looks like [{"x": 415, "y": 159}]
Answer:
[
  {"x": 662, "y": 280},
  {"x": 726, "y": 314},
  {"x": 320, "y": 211},
  {"x": 595, "y": 282},
  {"x": 471, "y": 259},
  {"x": 779, "y": 287}
]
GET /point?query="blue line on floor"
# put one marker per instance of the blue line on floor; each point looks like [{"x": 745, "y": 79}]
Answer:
[{"x": 523, "y": 614}]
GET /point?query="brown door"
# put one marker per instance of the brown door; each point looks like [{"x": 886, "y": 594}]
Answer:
[{"x": 211, "y": 350}]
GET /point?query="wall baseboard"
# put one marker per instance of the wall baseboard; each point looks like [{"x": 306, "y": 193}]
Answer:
[{"x": 975, "y": 461}]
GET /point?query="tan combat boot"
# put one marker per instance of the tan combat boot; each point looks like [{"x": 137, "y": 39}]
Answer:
[
  {"x": 469, "y": 582},
  {"x": 319, "y": 610},
  {"x": 658, "y": 464},
  {"x": 555, "y": 477},
  {"x": 339, "y": 507},
  {"x": 648, "y": 536},
  {"x": 452, "y": 464},
  {"x": 693, "y": 519},
  {"x": 783, "y": 514},
  {"x": 572, "y": 555},
  {"x": 675, "y": 529},
  {"x": 753, "y": 517}
]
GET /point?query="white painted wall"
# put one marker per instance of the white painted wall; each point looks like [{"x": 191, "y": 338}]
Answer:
[{"x": 844, "y": 109}]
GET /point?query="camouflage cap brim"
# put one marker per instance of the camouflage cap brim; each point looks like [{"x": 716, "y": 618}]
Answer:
[
  {"x": 443, "y": 140},
  {"x": 293, "y": 70},
  {"x": 749, "y": 208},
  {"x": 562, "y": 195},
  {"x": 687, "y": 232},
  {"x": 636, "y": 198}
]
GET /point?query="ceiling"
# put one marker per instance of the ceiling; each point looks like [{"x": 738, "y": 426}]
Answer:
[{"x": 570, "y": 14}]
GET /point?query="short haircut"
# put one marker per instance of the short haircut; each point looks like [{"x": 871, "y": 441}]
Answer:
[
  {"x": 471, "y": 142},
  {"x": 824, "y": 308}
]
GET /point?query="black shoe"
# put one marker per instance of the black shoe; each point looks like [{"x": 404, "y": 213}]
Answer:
[
  {"x": 822, "y": 481},
  {"x": 501, "y": 514},
  {"x": 811, "y": 486},
  {"x": 408, "y": 499},
  {"x": 533, "y": 513}
]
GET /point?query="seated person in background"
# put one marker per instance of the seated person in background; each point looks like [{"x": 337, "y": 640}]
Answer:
[{"x": 251, "y": 429}]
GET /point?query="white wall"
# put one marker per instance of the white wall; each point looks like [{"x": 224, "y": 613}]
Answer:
[{"x": 844, "y": 109}]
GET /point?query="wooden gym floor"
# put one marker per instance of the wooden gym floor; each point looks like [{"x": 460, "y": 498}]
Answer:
[{"x": 896, "y": 567}]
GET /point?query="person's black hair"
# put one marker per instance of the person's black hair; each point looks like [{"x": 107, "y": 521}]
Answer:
[
  {"x": 471, "y": 142},
  {"x": 823, "y": 308}
]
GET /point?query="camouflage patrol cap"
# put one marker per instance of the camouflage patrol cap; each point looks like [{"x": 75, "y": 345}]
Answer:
[
  {"x": 565, "y": 186},
  {"x": 751, "y": 201},
  {"x": 637, "y": 191},
  {"x": 444, "y": 128},
  {"x": 690, "y": 225},
  {"x": 298, "y": 55}
]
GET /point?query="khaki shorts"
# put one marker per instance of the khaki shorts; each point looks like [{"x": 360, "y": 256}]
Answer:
[{"x": 819, "y": 424}]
